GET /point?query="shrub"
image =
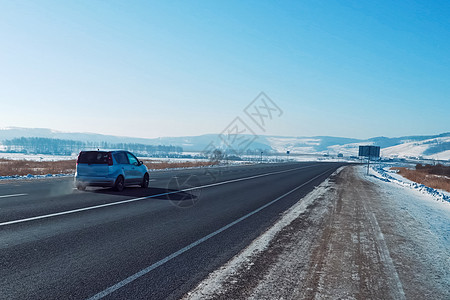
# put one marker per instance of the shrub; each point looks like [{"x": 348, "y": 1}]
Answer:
[{"x": 429, "y": 175}]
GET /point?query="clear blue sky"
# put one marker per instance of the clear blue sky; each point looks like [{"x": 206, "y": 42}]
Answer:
[{"x": 172, "y": 68}]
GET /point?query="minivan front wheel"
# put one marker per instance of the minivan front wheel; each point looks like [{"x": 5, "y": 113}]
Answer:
[
  {"x": 145, "y": 181},
  {"x": 119, "y": 184}
]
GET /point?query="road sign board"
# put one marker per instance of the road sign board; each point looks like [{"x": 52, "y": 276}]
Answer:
[{"x": 369, "y": 151}]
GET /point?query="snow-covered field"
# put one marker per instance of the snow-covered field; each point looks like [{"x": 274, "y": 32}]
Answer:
[
  {"x": 300, "y": 145},
  {"x": 245, "y": 158},
  {"x": 44, "y": 157},
  {"x": 351, "y": 149},
  {"x": 35, "y": 157},
  {"x": 436, "y": 147},
  {"x": 29, "y": 176}
]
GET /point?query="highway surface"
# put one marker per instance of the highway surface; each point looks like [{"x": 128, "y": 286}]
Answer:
[{"x": 156, "y": 243}]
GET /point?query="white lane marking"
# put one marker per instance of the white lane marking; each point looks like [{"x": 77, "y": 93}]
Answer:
[
  {"x": 141, "y": 198},
  {"x": 142, "y": 272},
  {"x": 13, "y": 195}
]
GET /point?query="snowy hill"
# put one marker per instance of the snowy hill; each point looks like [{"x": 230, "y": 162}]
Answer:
[{"x": 434, "y": 146}]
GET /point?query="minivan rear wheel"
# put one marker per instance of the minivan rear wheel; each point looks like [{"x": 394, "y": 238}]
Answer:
[
  {"x": 145, "y": 181},
  {"x": 81, "y": 187},
  {"x": 119, "y": 184}
]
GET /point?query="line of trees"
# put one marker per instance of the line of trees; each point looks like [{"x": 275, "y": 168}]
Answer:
[{"x": 36, "y": 145}]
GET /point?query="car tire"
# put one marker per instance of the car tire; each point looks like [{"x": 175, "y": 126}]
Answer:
[
  {"x": 119, "y": 184},
  {"x": 145, "y": 181},
  {"x": 81, "y": 187}
]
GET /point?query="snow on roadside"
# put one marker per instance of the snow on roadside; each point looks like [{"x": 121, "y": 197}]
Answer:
[
  {"x": 383, "y": 172},
  {"x": 36, "y": 157},
  {"x": 428, "y": 208},
  {"x": 30, "y": 176}
]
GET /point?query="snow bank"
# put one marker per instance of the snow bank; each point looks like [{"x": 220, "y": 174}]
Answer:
[{"x": 383, "y": 172}]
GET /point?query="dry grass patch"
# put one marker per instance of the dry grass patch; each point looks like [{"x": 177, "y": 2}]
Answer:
[
  {"x": 426, "y": 176},
  {"x": 159, "y": 164},
  {"x": 10, "y": 167}
]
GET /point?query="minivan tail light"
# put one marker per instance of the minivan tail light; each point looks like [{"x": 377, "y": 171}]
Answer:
[{"x": 110, "y": 160}]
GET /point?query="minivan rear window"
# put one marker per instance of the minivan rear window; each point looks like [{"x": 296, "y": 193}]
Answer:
[{"x": 93, "y": 157}]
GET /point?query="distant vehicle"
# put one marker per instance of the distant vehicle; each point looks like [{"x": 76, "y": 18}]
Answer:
[{"x": 115, "y": 169}]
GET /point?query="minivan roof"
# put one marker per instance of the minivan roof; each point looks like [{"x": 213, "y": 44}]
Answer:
[{"x": 109, "y": 150}]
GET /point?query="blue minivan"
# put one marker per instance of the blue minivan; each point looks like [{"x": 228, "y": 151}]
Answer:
[{"x": 115, "y": 169}]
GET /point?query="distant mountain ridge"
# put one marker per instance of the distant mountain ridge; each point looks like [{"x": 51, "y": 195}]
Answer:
[{"x": 427, "y": 146}]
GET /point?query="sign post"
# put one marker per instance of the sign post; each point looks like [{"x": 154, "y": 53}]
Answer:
[{"x": 369, "y": 151}]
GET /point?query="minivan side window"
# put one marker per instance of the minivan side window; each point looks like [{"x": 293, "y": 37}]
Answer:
[
  {"x": 133, "y": 160},
  {"x": 121, "y": 158}
]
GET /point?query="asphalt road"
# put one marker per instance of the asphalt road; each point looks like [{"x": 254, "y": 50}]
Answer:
[{"x": 156, "y": 243}]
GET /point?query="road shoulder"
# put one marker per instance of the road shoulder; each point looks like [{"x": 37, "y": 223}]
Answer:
[{"x": 350, "y": 238}]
